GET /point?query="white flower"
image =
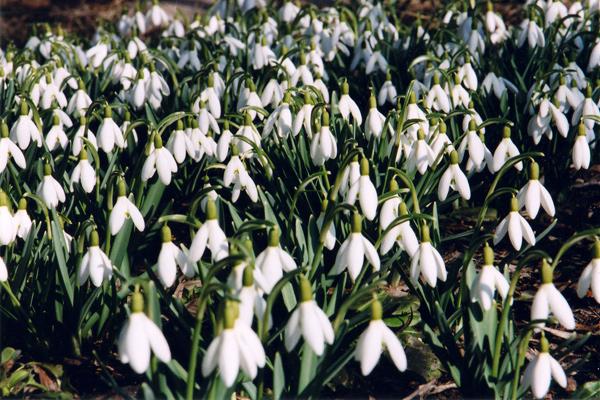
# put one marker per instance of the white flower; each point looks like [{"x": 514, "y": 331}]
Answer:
[
  {"x": 427, "y": 261},
  {"x": 594, "y": 60},
  {"x": 237, "y": 346},
  {"x": 248, "y": 98},
  {"x": 539, "y": 124},
  {"x": 156, "y": 17},
  {"x": 401, "y": 233},
  {"x": 324, "y": 145},
  {"x": 488, "y": 281},
  {"x": 8, "y": 150},
  {"x": 22, "y": 220},
  {"x": 3, "y": 271},
  {"x": 139, "y": 336},
  {"x": 421, "y": 156},
  {"x": 7, "y": 221},
  {"x": 272, "y": 93},
  {"x": 56, "y": 136},
  {"x": 308, "y": 321},
  {"x": 437, "y": 98},
  {"x": 348, "y": 107},
  {"x": 374, "y": 339},
  {"x": 495, "y": 25},
  {"x": 251, "y": 298},
  {"x": 236, "y": 174},
  {"x": 171, "y": 256},
  {"x": 531, "y": 32},
  {"x": 364, "y": 189},
  {"x": 210, "y": 234},
  {"x": 78, "y": 142},
  {"x": 280, "y": 119},
  {"x": 388, "y": 92},
  {"x": 330, "y": 235},
  {"x": 350, "y": 175},
  {"x": 516, "y": 226},
  {"x": 262, "y": 55},
  {"x": 375, "y": 121},
  {"x": 272, "y": 261},
  {"x": 50, "y": 190},
  {"x": 548, "y": 299},
  {"x": 586, "y": 108},
  {"x": 95, "y": 264},
  {"x": 581, "y": 150},
  {"x": 506, "y": 149},
  {"x": 161, "y": 161},
  {"x": 534, "y": 194},
  {"x": 109, "y": 133},
  {"x": 454, "y": 178},
  {"x": 84, "y": 173},
  {"x": 80, "y": 101},
  {"x": 499, "y": 85},
  {"x": 353, "y": 251},
  {"x": 473, "y": 144},
  {"x": 122, "y": 210},
  {"x": 24, "y": 130},
  {"x": 555, "y": 10},
  {"x": 180, "y": 144},
  {"x": 540, "y": 371},
  {"x": 467, "y": 74},
  {"x": 97, "y": 54},
  {"x": 590, "y": 277}
]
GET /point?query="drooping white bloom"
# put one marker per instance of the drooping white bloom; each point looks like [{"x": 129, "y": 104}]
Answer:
[
  {"x": 467, "y": 74},
  {"x": 78, "y": 142},
  {"x": 427, "y": 261},
  {"x": 280, "y": 120},
  {"x": 488, "y": 281},
  {"x": 252, "y": 302},
  {"x": 248, "y": 100},
  {"x": 415, "y": 113},
  {"x": 262, "y": 55},
  {"x": 506, "y": 149},
  {"x": 324, "y": 145},
  {"x": 594, "y": 60},
  {"x": 365, "y": 191},
  {"x": 516, "y": 226},
  {"x": 498, "y": 85},
  {"x": 421, "y": 156},
  {"x": 7, "y": 221},
  {"x": 402, "y": 233},
  {"x": 330, "y": 235},
  {"x": 584, "y": 110},
  {"x": 96, "y": 54},
  {"x": 539, "y": 124},
  {"x": 83, "y": 173},
  {"x": 590, "y": 277},
  {"x": 454, "y": 178},
  {"x": 171, "y": 256},
  {"x": 95, "y": 264},
  {"x": 22, "y": 220},
  {"x": 581, "y": 150},
  {"x": 475, "y": 147},
  {"x": 548, "y": 299},
  {"x": 139, "y": 337},
  {"x": 353, "y": 251},
  {"x": 555, "y": 10},
  {"x": 540, "y": 371},
  {"x": 122, "y": 210},
  {"x": 209, "y": 235},
  {"x": 80, "y": 101},
  {"x": 156, "y": 17},
  {"x": 437, "y": 99},
  {"x": 495, "y": 26},
  {"x": 308, "y": 321},
  {"x": 3, "y": 270},
  {"x": 180, "y": 144},
  {"x": 237, "y": 346},
  {"x": 534, "y": 194},
  {"x": 374, "y": 339},
  {"x": 8, "y": 150},
  {"x": 109, "y": 133},
  {"x": 348, "y": 107},
  {"x": 50, "y": 190},
  {"x": 56, "y": 136},
  {"x": 375, "y": 121},
  {"x": 161, "y": 161},
  {"x": 235, "y": 174},
  {"x": 272, "y": 261},
  {"x": 303, "y": 118},
  {"x": 24, "y": 130},
  {"x": 388, "y": 92}
]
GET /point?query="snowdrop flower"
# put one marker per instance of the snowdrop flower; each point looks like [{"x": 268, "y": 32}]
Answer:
[
  {"x": 488, "y": 281},
  {"x": 22, "y": 220},
  {"x": 374, "y": 339},
  {"x": 139, "y": 336},
  {"x": 534, "y": 194},
  {"x": 555, "y": 10},
  {"x": 156, "y": 17},
  {"x": 50, "y": 190},
  {"x": 308, "y": 321},
  {"x": 24, "y": 130},
  {"x": 109, "y": 133},
  {"x": 56, "y": 135},
  {"x": 272, "y": 93},
  {"x": 272, "y": 261},
  {"x": 304, "y": 116},
  {"x": 531, "y": 32},
  {"x": 506, "y": 149},
  {"x": 467, "y": 74},
  {"x": 170, "y": 257},
  {"x": 376, "y": 60},
  {"x": 353, "y": 251},
  {"x": 262, "y": 55},
  {"x": 235, "y": 174},
  {"x": 427, "y": 261},
  {"x": 209, "y": 235},
  {"x": 421, "y": 156},
  {"x": 248, "y": 98},
  {"x": 80, "y": 134},
  {"x": 474, "y": 145},
  {"x": 302, "y": 73},
  {"x": 7, "y": 221},
  {"x": 161, "y": 161},
  {"x": 180, "y": 144},
  {"x": 437, "y": 99},
  {"x": 440, "y": 142},
  {"x": 321, "y": 87},
  {"x": 375, "y": 121},
  {"x": 280, "y": 119},
  {"x": 83, "y": 173},
  {"x": 80, "y": 101},
  {"x": 594, "y": 60},
  {"x": 251, "y": 298},
  {"x": 567, "y": 97},
  {"x": 330, "y": 235},
  {"x": 388, "y": 92},
  {"x": 516, "y": 226},
  {"x": 211, "y": 97},
  {"x": 288, "y": 11},
  {"x": 157, "y": 87},
  {"x": 8, "y": 149},
  {"x": 402, "y": 233},
  {"x": 540, "y": 123},
  {"x": 460, "y": 97},
  {"x": 324, "y": 145},
  {"x": 237, "y": 346},
  {"x": 540, "y": 371},
  {"x": 122, "y": 210},
  {"x": 588, "y": 108},
  {"x": 498, "y": 85},
  {"x": 52, "y": 92},
  {"x": 95, "y": 264},
  {"x": 415, "y": 113},
  {"x": 96, "y": 54},
  {"x": 590, "y": 277},
  {"x": 348, "y": 107},
  {"x": 581, "y": 150},
  {"x": 495, "y": 25},
  {"x": 548, "y": 299},
  {"x": 364, "y": 189},
  {"x": 454, "y": 178}
]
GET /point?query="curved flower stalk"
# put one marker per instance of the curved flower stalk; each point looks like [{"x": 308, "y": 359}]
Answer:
[
  {"x": 590, "y": 277},
  {"x": 95, "y": 264},
  {"x": 353, "y": 251},
  {"x": 427, "y": 261},
  {"x": 210, "y": 234},
  {"x": 140, "y": 337},
  {"x": 506, "y": 149},
  {"x": 308, "y": 321},
  {"x": 124, "y": 209},
  {"x": 516, "y": 226},
  {"x": 488, "y": 281},
  {"x": 540, "y": 371},
  {"x": 548, "y": 299},
  {"x": 272, "y": 261},
  {"x": 237, "y": 346},
  {"x": 534, "y": 194},
  {"x": 170, "y": 257},
  {"x": 374, "y": 339},
  {"x": 454, "y": 178},
  {"x": 364, "y": 190}
]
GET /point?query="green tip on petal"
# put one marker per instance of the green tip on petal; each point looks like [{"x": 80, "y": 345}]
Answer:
[
  {"x": 137, "y": 302},
  {"x": 47, "y": 169},
  {"x": 402, "y": 209},
  {"x": 376, "y": 310},
  {"x": 211, "y": 209},
  {"x": 230, "y": 312},
  {"x": 121, "y": 190},
  {"x": 425, "y": 233},
  {"x": 158, "y": 143},
  {"x": 4, "y": 129},
  {"x": 547, "y": 273},
  {"x": 305, "y": 289},
  {"x": 248, "y": 279},
  {"x": 443, "y": 127},
  {"x": 94, "y": 239},
  {"x": 581, "y": 129},
  {"x": 356, "y": 223},
  {"x": 274, "y": 235},
  {"x": 394, "y": 185},
  {"x": 453, "y": 157},
  {"x": 544, "y": 344},
  {"x": 107, "y": 111},
  {"x": 364, "y": 166},
  {"x": 472, "y": 124},
  {"x": 534, "y": 171},
  {"x": 165, "y": 234},
  {"x": 514, "y": 204},
  {"x": 506, "y": 132},
  {"x": 420, "y": 134},
  {"x": 23, "y": 203},
  {"x": 345, "y": 88},
  {"x": 488, "y": 255}
]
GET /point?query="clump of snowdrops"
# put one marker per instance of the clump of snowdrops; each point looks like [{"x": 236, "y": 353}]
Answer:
[{"x": 227, "y": 201}]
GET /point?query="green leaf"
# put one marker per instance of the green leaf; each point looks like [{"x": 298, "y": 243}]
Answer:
[
  {"x": 278, "y": 377},
  {"x": 60, "y": 249}
]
